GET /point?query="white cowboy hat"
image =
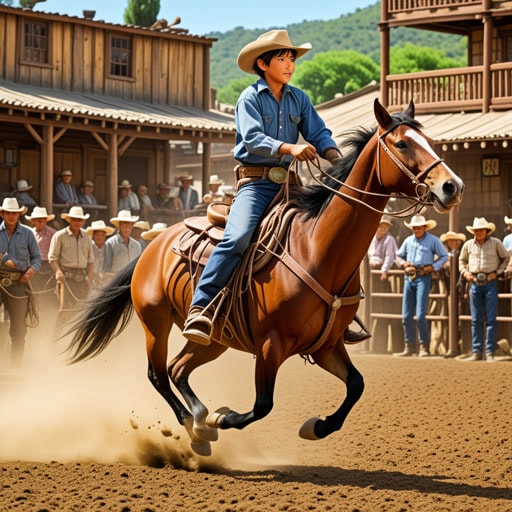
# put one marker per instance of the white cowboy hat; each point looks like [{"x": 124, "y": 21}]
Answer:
[
  {"x": 215, "y": 180},
  {"x": 124, "y": 216},
  {"x": 157, "y": 228},
  {"x": 99, "y": 225},
  {"x": 22, "y": 185},
  {"x": 186, "y": 177},
  {"x": 481, "y": 223},
  {"x": 508, "y": 220},
  {"x": 66, "y": 172},
  {"x": 142, "y": 224},
  {"x": 419, "y": 220},
  {"x": 10, "y": 204},
  {"x": 273, "y": 40},
  {"x": 124, "y": 184},
  {"x": 385, "y": 219},
  {"x": 451, "y": 235},
  {"x": 39, "y": 212},
  {"x": 75, "y": 212}
]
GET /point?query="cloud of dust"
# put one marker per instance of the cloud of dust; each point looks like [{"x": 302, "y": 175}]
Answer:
[{"x": 105, "y": 410}]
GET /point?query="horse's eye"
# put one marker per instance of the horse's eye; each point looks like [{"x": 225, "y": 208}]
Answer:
[{"x": 401, "y": 145}]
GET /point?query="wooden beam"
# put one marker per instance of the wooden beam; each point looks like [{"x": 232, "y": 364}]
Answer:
[
  {"x": 34, "y": 133},
  {"x": 126, "y": 145},
  {"x": 47, "y": 168},
  {"x": 112, "y": 175},
  {"x": 100, "y": 141},
  {"x": 59, "y": 134}
]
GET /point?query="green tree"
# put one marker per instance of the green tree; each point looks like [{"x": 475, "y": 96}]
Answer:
[
  {"x": 231, "y": 92},
  {"x": 141, "y": 12},
  {"x": 335, "y": 72},
  {"x": 411, "y": 58}
]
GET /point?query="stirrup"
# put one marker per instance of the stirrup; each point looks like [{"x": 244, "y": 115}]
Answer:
[{"x": 198, "y": 326}]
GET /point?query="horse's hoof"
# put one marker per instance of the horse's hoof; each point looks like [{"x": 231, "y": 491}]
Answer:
[
  {"x": 202, "y": 448},
  {"x": 206, "y": 433},
  {"x": 216, "y": 418},
  {"x": 307, "y": 431}
]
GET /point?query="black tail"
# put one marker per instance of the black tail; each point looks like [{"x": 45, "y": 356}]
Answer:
[{"x": 105, "y": 317}]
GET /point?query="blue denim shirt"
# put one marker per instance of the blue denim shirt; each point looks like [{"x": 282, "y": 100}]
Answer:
[
  {"x": 22, "y": 248},
  {"x": 263, "y": 124},
  {"x": 421, "y": 251}
]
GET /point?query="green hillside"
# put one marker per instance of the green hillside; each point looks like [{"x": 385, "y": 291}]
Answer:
[{"x": 356, "y": 31}]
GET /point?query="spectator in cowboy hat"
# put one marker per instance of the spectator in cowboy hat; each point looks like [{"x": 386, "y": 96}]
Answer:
[
  {"x": 121, "y": 248},
  {"x": 44, "y": 233},
  {"x": 419, "y": 255},
  {"x": 20, "y": 261},
  {"x": 99, "y": 232},
  {"x": 22, "y": 195},
  {"x": 72, "y": 259},
  {"x": 188, "y": 195},
  {"x": 214, "y": 184},
  {"x": 168, "y": 206},
  {"x": 264, "y": 141},
  {"x": 482, "y": 260},
  {"x": 139, "y": 228},
  {"x": 64, "y": 192},
  {"x": 127, "y": 200}
]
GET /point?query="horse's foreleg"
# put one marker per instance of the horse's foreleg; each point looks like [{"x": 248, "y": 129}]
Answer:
[
  {"x": 336, "y": 361},
  {"x": 179, "y": 370},
  {"x": 268, "y": 362}
]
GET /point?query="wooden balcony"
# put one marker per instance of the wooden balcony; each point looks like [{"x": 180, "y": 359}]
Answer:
[
  {"x": 423, "y": 12},
  {"x": 452, "y": 90}
]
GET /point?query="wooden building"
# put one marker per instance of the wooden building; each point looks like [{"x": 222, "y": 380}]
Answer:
[{"x": 107, "y": 101}]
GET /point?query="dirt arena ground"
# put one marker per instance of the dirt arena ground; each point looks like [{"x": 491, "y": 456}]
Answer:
[{"x": 427, "y": 435}]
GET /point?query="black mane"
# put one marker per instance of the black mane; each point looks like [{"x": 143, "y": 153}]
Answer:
[{"x": 311, "y": 200}]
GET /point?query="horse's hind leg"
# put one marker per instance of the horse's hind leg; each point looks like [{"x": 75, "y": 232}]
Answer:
[
  {"x": 179, "y": 370},
  {"x": 336, "y": 361}
]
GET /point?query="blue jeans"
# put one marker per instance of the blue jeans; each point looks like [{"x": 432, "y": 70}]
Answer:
[
  {"x": 415, "y": 300},
  {"x": 251, "y": 202},
  {"x": 484, "y": 297}
]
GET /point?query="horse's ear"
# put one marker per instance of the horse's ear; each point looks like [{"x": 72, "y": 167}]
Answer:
[
  {"x": 382, "y": 115},
  {"x": 410, "y": 110}
]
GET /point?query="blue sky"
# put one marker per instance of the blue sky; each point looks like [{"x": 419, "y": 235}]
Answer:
[{"x": 200, "y": 18}]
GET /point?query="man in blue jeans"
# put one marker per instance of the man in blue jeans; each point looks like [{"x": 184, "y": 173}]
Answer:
[
  {"x": 420, "y": 254},
  {"x": 482, "y": 260}
]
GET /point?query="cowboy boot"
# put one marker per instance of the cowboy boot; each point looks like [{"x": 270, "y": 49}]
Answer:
[
  {"x": 198, "y": 326},
  {"x": 352, "y": 337},
  {"x": 409, "y": 350}
]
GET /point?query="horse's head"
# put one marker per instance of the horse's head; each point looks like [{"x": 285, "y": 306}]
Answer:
[{"x": 408, "y": 164}]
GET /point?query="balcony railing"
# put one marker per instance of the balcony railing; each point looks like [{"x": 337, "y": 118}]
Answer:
[
  {"x": 452, "y": 90},
  {"x": 401, "y": 6}
]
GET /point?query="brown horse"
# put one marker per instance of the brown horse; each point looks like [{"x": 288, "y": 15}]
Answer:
[{"x": 291, "y": 305}]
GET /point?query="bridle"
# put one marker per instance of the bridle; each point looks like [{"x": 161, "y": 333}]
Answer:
[{"x": 422, "y": 189}]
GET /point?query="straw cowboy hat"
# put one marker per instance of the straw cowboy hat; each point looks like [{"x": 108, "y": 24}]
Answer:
[
  {"x": 508, "y": 220},
  {"x": 39, "y": 212},
  {"x": 385, "y": 219},
  {"x": 481, "y": 223},
  {"x": 451, "y": 235},
  {"x": 215, "y": 180},
  {"x": 186, "y": 177},
  {"x": 75, "y": 212},
  {"x": 157, "y": 228},
  {"x": 163, "y": 186},
  {"x": 66, "y": 172},
  {"x": 124, "y": 184},
  {"x": 419, "y": 220},
  {"x": 273, "y": 40},
  {"x": 142, "y": 224},
  {"x": 124, "y": 216},
  {"x": 99, "y": 225},
  {"x": 22, "y": 186},
  {"x": 10, "y": 204}
]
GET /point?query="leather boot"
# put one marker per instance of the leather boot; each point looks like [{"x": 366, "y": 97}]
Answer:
[
  {"x": 198, "y": 326},
  {"x": 408, "y": 351},
  {"x": 352, "y": 337}
]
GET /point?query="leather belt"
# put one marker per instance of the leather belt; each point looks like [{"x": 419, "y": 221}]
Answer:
[
  {"x": 481, "y": 278},
  {"x": 7, "y": 278},
  {"x": 276, "y": 174}
]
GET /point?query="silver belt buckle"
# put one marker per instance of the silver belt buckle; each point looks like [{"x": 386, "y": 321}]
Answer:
[
  {"x": 6, "y": 281},
  {"x": 277, "y": 175}
]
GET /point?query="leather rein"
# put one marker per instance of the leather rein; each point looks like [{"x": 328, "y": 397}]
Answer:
[{"x": 422, "y": 189}]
